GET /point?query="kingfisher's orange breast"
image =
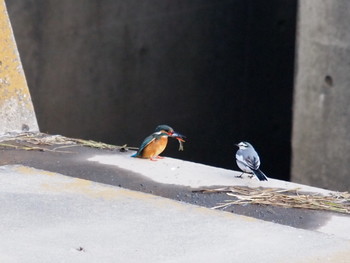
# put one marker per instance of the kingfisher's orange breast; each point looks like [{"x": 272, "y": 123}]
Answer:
[{"x": 155, "y": 147}]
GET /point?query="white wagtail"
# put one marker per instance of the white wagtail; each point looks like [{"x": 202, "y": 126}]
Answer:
[{"x": 248, "y": 160}]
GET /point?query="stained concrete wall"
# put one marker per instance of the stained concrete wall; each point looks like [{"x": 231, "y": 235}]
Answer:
[
  {"x": 217, "y": 71},
  {"x": 321, "y": 133},
  {"x": 16, "y": 108}
]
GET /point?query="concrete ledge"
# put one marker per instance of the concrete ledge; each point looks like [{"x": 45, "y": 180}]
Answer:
[
  {"x": 194, "y": 175},
  {"x": 174, "y": 179},
  {"x": 48, "y": 217}
]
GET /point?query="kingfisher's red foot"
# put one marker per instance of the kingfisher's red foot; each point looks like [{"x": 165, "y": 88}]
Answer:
[
  {"x": 151, "y": 159},
  {"x": 160, "y": 157}
]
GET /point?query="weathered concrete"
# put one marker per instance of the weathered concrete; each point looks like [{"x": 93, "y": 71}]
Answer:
[
  {"x": 48, "y": 217},
  {"x": 194, "y": 175},
  {"x": 16, "y": 108},
  {"x": 321, "y": 132},
  {"x": 174, "y": 179}
]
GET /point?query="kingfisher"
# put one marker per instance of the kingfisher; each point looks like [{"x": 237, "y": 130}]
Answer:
[
  {"x": 248, "y": 160},
  {"x": 155, "y": 144}
]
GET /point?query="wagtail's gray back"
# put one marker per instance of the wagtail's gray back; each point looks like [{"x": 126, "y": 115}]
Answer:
[{"x": 248, "y": 160}]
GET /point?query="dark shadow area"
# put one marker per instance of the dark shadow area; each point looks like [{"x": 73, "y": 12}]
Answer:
[{"x": 217, "y": 71}]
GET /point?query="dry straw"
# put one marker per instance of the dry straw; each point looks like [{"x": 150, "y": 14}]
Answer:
[
  {"x": 291, "y": 198},
  {"x": 25, "y": 141}
]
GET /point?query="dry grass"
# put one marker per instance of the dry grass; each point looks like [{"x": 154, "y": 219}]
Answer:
[
  {"x": 36, "y": 141},
  {"x": 338, "y": 202}
]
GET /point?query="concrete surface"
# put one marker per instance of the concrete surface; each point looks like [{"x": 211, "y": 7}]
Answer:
[
  {"x": 16, "y": 108},
  {"x": 194, "y": 175},
  {"x": 198, "y": 176},
  {"x": 48, "y": 217},
  {"x": 171, "y": 178},
  {"x": 321, "y": 126}
]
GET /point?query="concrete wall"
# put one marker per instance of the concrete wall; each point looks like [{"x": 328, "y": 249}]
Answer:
[
  {"x": 217, "y": 71},
  {"x": 321, "y": 133},
  {"x": 16, "y": 108}
]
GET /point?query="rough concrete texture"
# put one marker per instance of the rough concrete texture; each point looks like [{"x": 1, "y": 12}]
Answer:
[
  {"x": 48, "y": 217},
  {"x": 321, "y": 132},
  {"x": 171, "y": 178},
  {"x": 199, "y": 176},
  {"x": 112, "y": 71},
  {"x": 194, "y": 175},
  {"x": 16, "y": 108}
]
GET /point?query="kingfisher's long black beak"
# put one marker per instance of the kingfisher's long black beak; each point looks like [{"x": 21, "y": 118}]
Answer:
[{"x": 178, "y": 136}]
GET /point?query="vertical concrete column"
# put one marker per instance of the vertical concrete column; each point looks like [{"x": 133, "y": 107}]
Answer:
[
  {"x": 16, "y": 109},
  {"x": 321, "y": 121}
]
